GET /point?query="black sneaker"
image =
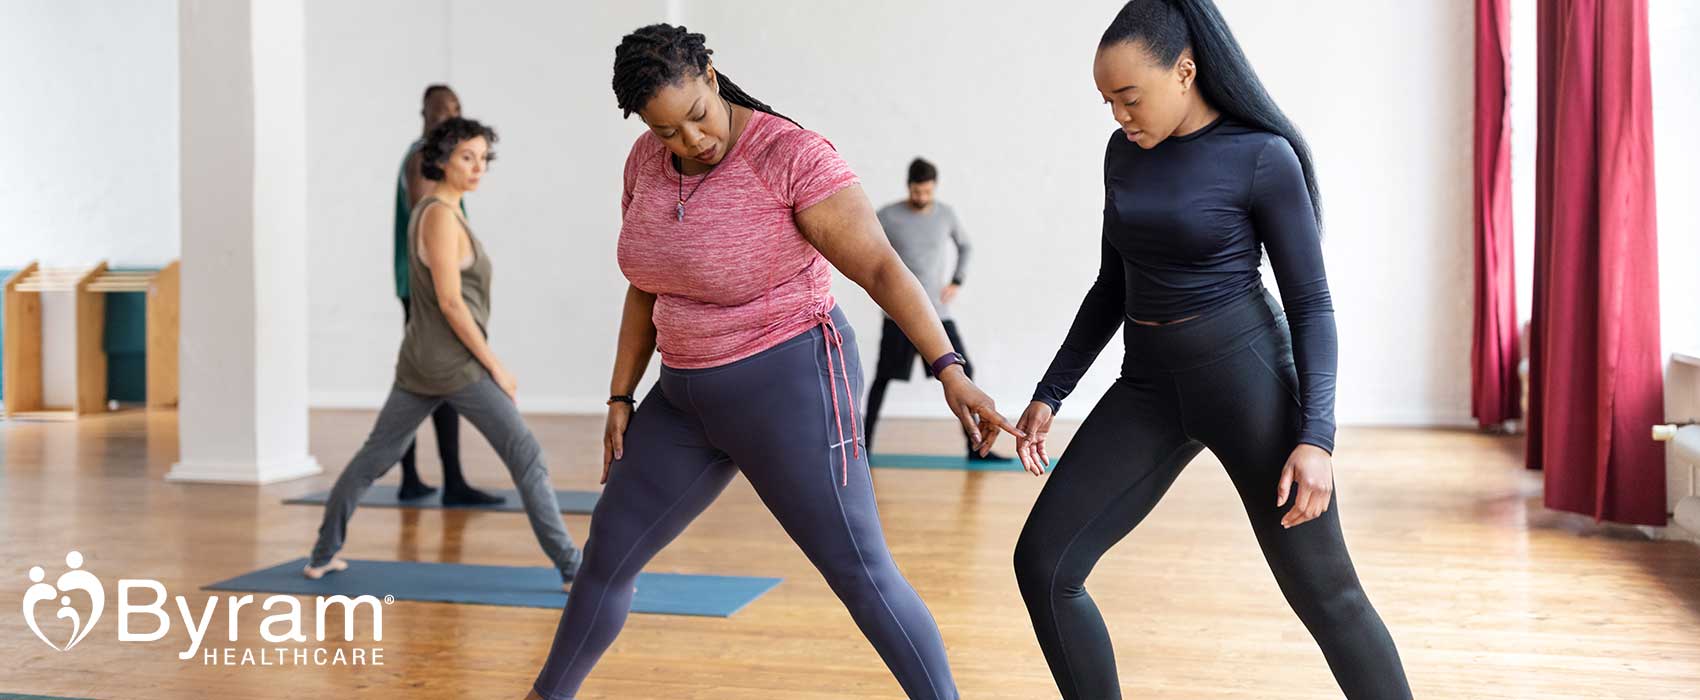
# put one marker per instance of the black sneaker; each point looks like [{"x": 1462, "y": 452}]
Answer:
[
  {"x": 471, "y": 497},
  {"x": 415, "y": 490}
]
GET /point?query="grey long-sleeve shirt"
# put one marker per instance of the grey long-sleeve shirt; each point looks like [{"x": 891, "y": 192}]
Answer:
[{"x": 920, "y": 238}]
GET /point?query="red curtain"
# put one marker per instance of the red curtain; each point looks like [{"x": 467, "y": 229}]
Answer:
[
  {"x": 1596, "y": 374},
  {"x": 1494, "y": 392}
]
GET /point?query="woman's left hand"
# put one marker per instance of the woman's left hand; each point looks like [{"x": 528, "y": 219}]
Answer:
[
  {"x": 1311, "y": 469},
  {"x": 978, "y": 413}
]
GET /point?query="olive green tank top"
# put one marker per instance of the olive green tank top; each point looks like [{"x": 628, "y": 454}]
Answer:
[{"x": 433, "y": 361}]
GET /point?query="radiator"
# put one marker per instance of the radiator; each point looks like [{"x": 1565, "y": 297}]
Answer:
[{"x": 1682, "y": 443}]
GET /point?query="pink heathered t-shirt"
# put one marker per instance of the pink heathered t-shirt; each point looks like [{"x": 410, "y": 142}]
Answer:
[{"x": 735, "y": 277}]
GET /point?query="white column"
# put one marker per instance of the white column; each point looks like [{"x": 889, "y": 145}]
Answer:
[{"x": 242, "y": 416}]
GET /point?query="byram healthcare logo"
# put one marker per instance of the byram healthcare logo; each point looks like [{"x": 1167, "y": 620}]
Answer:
[
  {"x": 285, "y": 614},
  {"x": 74, "y": 580}
]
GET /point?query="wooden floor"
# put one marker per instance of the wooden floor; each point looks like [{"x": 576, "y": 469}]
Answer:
[{"x": 1488, "y": 595}]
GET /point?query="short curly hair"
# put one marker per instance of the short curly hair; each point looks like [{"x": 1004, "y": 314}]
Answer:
[{"x": 443, "y": 140}]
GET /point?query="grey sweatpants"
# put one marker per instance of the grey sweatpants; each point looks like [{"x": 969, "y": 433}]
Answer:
[{"x": 495, "y": 416}]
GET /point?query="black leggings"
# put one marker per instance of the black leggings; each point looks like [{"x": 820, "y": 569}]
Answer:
[
  {"x": 897, "y": 362},
  {"x": 1225, "y": 381}
]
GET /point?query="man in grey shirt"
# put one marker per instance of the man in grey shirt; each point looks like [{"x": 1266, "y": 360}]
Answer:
[{"x": 921, "y": 229}]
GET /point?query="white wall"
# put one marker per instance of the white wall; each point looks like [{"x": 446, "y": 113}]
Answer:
[
  {"x": 90, "y": 170},
  {"x": 548, "y": 212},
  {"x": 1674, "y": 25},
  {"x": 367, "y": 64},
  {"x": 1001, "y": 97},
  {"x": 987, "y": 94}
]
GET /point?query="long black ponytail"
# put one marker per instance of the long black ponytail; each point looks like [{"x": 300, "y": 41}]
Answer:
[
  {"x": 1167, "y": 27},
  {"x": 660, "y": 55}
]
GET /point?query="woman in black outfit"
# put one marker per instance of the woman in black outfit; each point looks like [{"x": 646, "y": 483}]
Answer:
[{"x": 1204, "y": 176}]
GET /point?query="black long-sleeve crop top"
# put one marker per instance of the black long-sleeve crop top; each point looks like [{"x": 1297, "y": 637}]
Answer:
[{"x": 1185, "y": 227}]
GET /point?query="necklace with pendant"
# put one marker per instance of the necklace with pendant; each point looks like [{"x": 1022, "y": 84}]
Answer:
[{"x": 679, "y": 166}]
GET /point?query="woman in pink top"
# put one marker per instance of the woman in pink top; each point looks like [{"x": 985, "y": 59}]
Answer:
[{"x": 733, "y": 218}]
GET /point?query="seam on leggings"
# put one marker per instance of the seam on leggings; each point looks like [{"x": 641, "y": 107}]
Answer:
[
  {"x": 690, "y": 400},
  {"x": 838, "y": 500},
  {"x": 548, "y": 696},
  {"x": 628, "y": 555},
  {"x": 1180, "y": 404},
  {"x": 1051, "y": 586},
  {"x": 1221, "y": 355},
  {"x": 1278, "y": 378},
  {"x": 874, "y": 581}
]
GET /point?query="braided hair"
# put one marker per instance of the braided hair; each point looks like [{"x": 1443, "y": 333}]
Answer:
[
  {"x": 659, "y": 55},
  {"x": 1225, "y": 76}
]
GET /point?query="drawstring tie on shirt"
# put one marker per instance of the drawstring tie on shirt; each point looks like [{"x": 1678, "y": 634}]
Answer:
[{"x": 829, "y": 328}]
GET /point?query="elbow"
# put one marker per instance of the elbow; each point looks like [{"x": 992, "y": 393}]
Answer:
[
  {"x": 1309, "y": 299},
  {"x": 450, "y": 304},
  {"x": 884, "y": 274},
  {"x": 1108, "y": 293},
  {"x": 1318, "y": 303}
]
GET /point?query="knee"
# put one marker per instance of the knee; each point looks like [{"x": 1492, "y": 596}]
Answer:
[
  {"x": 524, "y": 456},
  {"x": 865, "y": 575},
  {"x": 381, "y": 451},
  {"x": 368, "y": 465},
  {"x": 597, "y": 569},
  {"x": 1328, "y": 600},
  {"x": 1049, "y": 569},
  {"x": 852, "y": 573},
  {"x": 1035, "y": 564}
]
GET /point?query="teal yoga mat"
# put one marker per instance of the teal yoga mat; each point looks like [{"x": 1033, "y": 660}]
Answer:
[
  {"x": 958, "y": 462},
  {"x": 514, "y": 586}
]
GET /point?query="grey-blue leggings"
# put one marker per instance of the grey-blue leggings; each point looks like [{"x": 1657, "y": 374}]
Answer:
[{"x": 773, "y": 417}]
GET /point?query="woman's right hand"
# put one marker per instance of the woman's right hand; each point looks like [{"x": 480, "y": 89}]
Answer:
[
  {"x": 1035, "y": 424},
  {"x": 614, "y": 435},
  {"x": 506, "y": 381}
]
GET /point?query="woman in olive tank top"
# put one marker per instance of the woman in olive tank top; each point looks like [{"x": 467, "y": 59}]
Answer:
[{"x": 444, "y": 357}]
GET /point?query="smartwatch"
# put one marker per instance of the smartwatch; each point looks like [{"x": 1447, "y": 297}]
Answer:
[{"x": 946, "y": 360}]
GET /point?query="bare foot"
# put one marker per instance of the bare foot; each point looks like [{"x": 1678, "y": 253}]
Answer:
[
  {"x": 318, "y": 572},
  {"x": 533, "y": 696}
]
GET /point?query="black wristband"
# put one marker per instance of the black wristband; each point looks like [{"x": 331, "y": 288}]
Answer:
[
  {"x": 945, "y": 361},
  {"x": 622, "y": 398}
]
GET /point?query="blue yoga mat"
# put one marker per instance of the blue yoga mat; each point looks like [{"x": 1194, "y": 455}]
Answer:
[
  {"x": 515, "y": 586},
  {"x": 15, "y": 696},
  {"x": 385, "y": 496},
  {"x": 894, "y": 461}
]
